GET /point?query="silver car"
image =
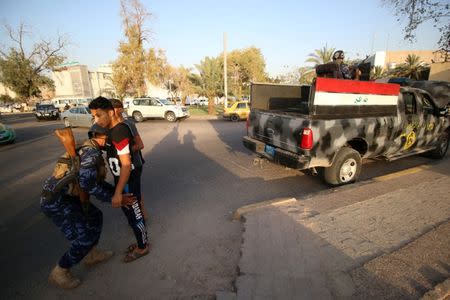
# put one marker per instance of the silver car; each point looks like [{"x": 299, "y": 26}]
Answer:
[{"x": 77, "y": 116}]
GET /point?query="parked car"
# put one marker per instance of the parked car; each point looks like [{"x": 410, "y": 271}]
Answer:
[
  {"x": 6, "y": 109},
  {"x": 46, "y": 112},
  {"x": 152, "y": 107},
  {"x": 237, "y": 111},
  {"x": 7, "y": 134},
  {"x": 77, "y": 116}
]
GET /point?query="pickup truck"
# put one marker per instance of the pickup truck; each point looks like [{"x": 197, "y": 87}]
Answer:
[{"x": 330, "y": 126}]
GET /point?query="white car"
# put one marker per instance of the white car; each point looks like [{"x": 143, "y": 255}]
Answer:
[{"x": 151, "y": 107}]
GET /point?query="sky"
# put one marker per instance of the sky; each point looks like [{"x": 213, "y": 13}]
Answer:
[{"x": 286, "y": 31}]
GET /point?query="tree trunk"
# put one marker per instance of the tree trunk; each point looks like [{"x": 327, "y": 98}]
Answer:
[{"x": 211, "y": 108}]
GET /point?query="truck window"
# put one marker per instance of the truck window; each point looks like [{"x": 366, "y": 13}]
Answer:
[
  {"x": 428, "y": 107},
  {"x": 410, "y": 103}
]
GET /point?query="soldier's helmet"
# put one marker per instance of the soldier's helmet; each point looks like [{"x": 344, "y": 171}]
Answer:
[
  {"x": 97, "y": 129},
  {"x": 339, "y": 54}
]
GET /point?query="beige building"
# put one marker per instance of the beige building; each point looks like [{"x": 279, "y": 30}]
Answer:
[
  {"x": 391, "y": 59},
  {"x": 440, "y": 71},
  {"x": 101, "y": 82},
  {"x": 72, "y": 81}
]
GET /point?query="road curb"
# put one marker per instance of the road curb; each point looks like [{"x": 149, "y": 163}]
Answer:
[
  {"x": 248, "y": 208},
  {"x": 238, "y": 214},
  {"x": 440, "y": 292}
]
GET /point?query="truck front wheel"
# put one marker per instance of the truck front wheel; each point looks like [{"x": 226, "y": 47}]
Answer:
[
  {"x": 441, "y": 148},
  {"x": 346, "y": 167}
]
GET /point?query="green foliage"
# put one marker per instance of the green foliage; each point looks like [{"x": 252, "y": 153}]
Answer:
[
  {"x": 129, "y": 68},
  {"x": 377, "y": 72},
  {"x": 6, "y": 99},
  {"x": 210, "y": 80},
  {"x": 243, "y": 67},
  {"x": 412, "y": 68},
  {"x": 23, "y": 72},
  {"x": 417, "y": 12},
  {"x": 321, "y": 56}
]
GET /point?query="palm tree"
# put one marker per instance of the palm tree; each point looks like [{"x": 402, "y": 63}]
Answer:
[
  {"x": 210, "y": 80},
  {"x": 412, "y": 68},
  {"x": 377, "y": 72},
  {"x": 321, "y": 56}
]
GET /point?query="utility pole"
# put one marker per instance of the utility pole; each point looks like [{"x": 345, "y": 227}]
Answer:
[{"x": 225, "y": 69}]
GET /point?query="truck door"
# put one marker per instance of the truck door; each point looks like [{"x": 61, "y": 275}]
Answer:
[
  {"x": 411, "y": 123},
  {"x": 428, "y": 134}
]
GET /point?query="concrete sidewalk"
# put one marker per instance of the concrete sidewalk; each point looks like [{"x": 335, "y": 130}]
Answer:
[{"x": 392, "y": 246}]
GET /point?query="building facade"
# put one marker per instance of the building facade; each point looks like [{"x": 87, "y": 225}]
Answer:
[
  {"x": 73, "y": 80},
  {"x": 391, "y": 59}
]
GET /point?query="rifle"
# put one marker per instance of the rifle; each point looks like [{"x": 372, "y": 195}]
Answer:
[{"x": 66, "y": 138}]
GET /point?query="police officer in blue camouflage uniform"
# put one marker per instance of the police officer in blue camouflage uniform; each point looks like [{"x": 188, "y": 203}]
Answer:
[
  {"x": 80, "y": 222},
  {"x": 344, "y": 70}
]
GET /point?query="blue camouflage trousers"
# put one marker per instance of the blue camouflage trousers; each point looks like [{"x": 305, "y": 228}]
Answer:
[{"x": 81, "y": 229}]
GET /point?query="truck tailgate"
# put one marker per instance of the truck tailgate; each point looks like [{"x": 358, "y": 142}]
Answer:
[{"x": 281, "y": 130}]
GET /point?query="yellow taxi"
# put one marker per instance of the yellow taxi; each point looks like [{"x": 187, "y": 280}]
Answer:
[{"x": 239, "y": 110}]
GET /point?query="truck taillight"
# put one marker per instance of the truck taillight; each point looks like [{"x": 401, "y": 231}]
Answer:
[{"x": 307, "y": 139}]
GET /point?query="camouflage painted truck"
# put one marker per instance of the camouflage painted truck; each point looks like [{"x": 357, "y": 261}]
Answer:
[{"x": 331, "y": 125}]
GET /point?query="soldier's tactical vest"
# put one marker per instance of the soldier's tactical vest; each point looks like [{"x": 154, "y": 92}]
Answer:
[{"x": 66, "y": 169}]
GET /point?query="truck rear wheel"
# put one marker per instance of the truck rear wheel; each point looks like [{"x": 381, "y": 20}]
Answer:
[
  {"x": 441, "y": 148},
  {"x": 346, "y": 167}
]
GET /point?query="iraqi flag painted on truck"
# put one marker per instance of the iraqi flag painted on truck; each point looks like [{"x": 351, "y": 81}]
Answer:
[{"x": 349, "y": 99}]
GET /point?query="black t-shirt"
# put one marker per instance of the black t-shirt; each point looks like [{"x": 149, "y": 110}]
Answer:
[{"x": 120, "y": 142}]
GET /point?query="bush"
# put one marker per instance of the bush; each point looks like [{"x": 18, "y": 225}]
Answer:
[{"x": 6, "y": 99}]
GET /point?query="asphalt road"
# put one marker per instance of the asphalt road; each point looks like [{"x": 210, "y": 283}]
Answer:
[{"x": 197, "y": 173}]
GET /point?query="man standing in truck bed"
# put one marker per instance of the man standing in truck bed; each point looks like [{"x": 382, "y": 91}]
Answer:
[{"x": 126, "y": 177}]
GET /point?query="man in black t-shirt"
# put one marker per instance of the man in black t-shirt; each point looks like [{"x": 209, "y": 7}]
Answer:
[
  {"x": 138, "y": 145},
  {"x": 126, "y": 176}
]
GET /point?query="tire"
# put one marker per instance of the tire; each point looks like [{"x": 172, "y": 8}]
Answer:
[
  {"x": 442, "y": 147},
  {"x": 345, "y": 169},
  {"x": 67, "y": 122},
  {"x": 170, "y": 116},
  {"x": 234, "y": 118},
  {"x": 137, "y": 116}
]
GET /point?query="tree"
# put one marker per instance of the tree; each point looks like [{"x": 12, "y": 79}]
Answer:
[
  {"x": 321, "y": 56},
  {"x": 129, "y": 68},
  {"x": 306, "y": 75},
  {"x": 157, "y": 70},
  {"x": 418, "y": 12},
  {"x": 244, "y": 66},
  {"x": 23, "y": 71},
  {"x": 210, "y": 80},
  {"x": 377, "y": 72},
  {"x": 412, "y": 68}
]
